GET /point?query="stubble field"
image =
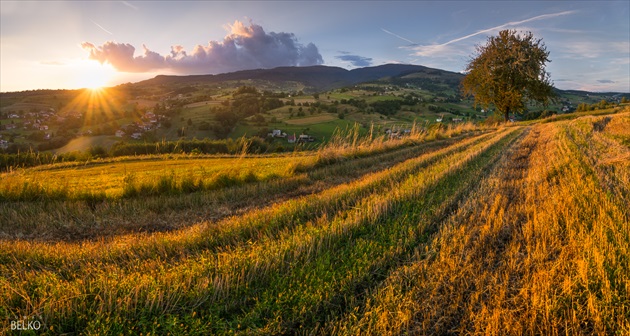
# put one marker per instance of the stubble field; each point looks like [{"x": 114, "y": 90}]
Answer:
[{"x": 515, "y": 230}]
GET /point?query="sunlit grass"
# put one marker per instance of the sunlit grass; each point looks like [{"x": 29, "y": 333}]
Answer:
[
  {"x": 521, "y": 230},
  {"x": 111, "y": 179}
]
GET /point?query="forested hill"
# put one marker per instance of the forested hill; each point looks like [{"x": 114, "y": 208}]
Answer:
[{"x": 318, "y": 78}]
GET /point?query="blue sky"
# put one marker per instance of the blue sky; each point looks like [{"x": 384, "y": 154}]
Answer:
[{"x": 83, "y": 44}]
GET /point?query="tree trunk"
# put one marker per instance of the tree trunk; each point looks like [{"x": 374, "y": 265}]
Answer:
[{"x": 507, "y": 115}]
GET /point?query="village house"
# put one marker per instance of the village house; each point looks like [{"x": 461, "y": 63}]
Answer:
[
  {"x": 120, "y": 133},
  {"x": 305, "y": 138},
  {"x": 277, "y": 134},
  {"x": 291, "y": 138}
]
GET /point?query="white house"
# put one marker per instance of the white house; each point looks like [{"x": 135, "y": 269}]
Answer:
[
  {"x": 120, "y": 133},
  {"x": 305, "y": 138}
]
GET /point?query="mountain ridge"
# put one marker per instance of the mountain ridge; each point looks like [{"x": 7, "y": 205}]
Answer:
[{"x": 318, "y": 77}]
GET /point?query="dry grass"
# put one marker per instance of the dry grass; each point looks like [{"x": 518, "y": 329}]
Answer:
[
  {"x": 540, "y": 248},
  {"x": 517, "y": 231},
  {"x": 350, "y": 143}
]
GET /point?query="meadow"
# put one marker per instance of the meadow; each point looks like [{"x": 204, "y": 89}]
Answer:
[{"x": 512, "y": 230}]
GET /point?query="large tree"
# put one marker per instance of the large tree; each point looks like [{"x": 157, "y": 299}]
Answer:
[{"x": 509, "y": 71}]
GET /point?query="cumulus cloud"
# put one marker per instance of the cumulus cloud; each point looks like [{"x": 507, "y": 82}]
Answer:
[
  {"x": 245, "y": 47},
  {"x": 356, "y": 60}
]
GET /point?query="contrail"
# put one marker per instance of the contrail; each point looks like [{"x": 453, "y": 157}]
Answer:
[
  {"x": 396, "y": 35},
  {"x": 511, "y": 23},
  {"x": 105, "y": 30},
  {"x": 128, "y": 4}
]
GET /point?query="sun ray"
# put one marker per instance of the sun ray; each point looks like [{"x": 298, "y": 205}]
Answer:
[{"x": 98, "y": 108}]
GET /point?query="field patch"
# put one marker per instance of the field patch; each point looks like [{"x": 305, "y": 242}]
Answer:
[
  {"x": 203, "y": 103},
  {"x": 311, "y": 120},
  {"x": 84, "y": 143}
]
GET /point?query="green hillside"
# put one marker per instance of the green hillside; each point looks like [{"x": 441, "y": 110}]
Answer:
[{"x": 314, "y": 101}]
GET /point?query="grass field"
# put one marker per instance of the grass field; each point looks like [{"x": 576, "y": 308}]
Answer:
[
  {"x": 311, "y": 120},
  {"x": 515, "y": 230},
  {"x": 111, "y": 178},
  {"x": 85, "y": 142}
]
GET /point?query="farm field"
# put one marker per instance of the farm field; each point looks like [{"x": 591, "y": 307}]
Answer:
[
  {"x": 311, "y": 120},
  {"x": 515, "y": 230}
]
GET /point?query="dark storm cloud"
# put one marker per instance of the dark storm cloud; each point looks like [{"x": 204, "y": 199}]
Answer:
[{"x": 356, "y": 60}]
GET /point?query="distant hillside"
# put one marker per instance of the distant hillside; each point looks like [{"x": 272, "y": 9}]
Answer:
[{"x": 319, "y": 78}]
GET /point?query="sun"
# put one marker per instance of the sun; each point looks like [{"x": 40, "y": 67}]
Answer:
[
  {"x": 95, "y": 87},
  {"x": 93, "y": 75}
]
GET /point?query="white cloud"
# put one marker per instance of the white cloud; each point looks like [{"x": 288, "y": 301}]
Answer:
[{"x": 245, "y": 47}]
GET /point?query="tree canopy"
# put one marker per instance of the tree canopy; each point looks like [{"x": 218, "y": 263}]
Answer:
[{"x": 509, "y": 71}]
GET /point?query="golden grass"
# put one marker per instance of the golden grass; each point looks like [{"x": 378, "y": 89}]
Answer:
[
  {"x": 517, "y": 231},
  {"x": 539, "y": 248},
  {"x": 112, "y": 178},
  {"x": 349, "y": 143},
  {"x": 72, "y": 220}
]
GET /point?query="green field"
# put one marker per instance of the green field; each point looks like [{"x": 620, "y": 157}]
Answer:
[{"x": 510, "y": 230}]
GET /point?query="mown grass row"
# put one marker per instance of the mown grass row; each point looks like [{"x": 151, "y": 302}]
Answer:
[
  {"x": 605, "y": 152},
  {"x": 538, "y": 248},
  {"x": 351, "y": 144},
  {"x": 95, "y": 183},
  {"x": 155, "y": 295},
  {"x": 354, "y": 252},
  {"x": 256, "y": 224},
  {"x": 75, "y": 220}
]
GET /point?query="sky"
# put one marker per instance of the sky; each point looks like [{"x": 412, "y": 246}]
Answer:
[{"x": 76, "y": 44}]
